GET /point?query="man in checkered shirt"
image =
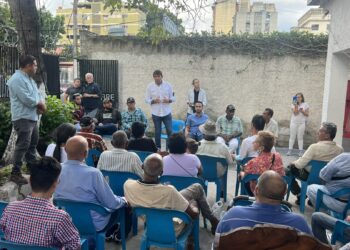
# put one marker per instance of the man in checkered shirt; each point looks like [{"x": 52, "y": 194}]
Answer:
[
  {"x": 132, "y": 115},
  {"x": 35, "y": 220},
  {"x": 229, "y": 128}
]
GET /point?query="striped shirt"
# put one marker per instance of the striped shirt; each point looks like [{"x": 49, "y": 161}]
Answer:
[
  {"x": 95, "y": 141},
  {"x": 228, "y": 127},
  {"x": 35, "y": 221},
  {"x": 120, "y": 160}
]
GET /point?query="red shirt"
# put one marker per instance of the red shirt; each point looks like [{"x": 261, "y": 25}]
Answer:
[
  {"x": 94, "y": 141},
  {"x": 263, "y": 162}
]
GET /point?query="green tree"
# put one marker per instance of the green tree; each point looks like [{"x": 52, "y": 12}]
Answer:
[{"x": 52, "y": 28}]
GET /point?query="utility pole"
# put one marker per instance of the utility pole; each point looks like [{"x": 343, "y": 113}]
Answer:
[{"x": 75, "y": 27}]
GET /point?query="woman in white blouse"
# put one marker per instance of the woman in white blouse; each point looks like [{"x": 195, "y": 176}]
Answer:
[
  {"x": 62, "y": 134},
  {"x": 300, "y": 113}
]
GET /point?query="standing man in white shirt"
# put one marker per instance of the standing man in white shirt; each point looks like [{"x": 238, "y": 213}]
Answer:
[
  {"x": 160, "y": 95},
  {"x": 270, "y": 124}
]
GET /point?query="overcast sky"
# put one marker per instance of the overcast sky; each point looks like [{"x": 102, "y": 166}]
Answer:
[{"x": 289, "y": 11}]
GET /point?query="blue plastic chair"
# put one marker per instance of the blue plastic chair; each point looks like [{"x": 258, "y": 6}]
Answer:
[
  {"x": 159, "y": 228},
  {"x": 209, "y": 173},
  {"x": 338, "y": 233},
  {"x": 339, "y": 194},
  {"x": 238, "y": 170},
  {"x": 177, "y": 126},
  {"x": 142, "y": 154},
  {"x": 90, "y": 157},
  {"x": 255, "y": 177},
  {"x": 244, "y": 200},
  {"x": 81, "y": 216},
  {"x": 313, "y": 178},
  {"x": 17, "y": 246},
  {"x": 116, "y": 180}
]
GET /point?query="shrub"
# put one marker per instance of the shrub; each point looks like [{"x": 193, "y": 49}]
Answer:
[{"x": 56, "y": 114}]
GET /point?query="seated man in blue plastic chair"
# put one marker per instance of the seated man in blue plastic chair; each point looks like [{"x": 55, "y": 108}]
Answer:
[
  {"x": 149, "y": 192},
  {"x": 79, "y": 182},
  {"x": 194, "y": 121},
  {"x": 35, "y": 220},
  {"x": 336, "y": 176},
  {"x": 269, "y": 194},
  {"x": 324, "y": 150}
]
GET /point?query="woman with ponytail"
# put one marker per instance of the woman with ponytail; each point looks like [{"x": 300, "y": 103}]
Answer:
[{"x": 62, "y": 134}]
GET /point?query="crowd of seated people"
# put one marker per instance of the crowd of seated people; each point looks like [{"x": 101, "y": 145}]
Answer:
[{"x": 78, "y": 182}]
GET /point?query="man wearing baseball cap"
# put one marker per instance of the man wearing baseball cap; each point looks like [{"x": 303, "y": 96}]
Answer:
[
  {"x": 109, "y": 119},
  {"x": 132, "y": 115}
]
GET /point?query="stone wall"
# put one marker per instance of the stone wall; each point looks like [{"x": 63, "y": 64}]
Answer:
[{"x": 248, "y": 82}]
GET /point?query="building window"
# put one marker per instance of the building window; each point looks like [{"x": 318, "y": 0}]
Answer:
[{"x": 314, "y": 27}]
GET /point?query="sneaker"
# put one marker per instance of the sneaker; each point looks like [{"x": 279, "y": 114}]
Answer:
[
  {"x": 18, "y": 178},
  {"x": 289, "y": 153},
  {"x": 301, "y": 152}
]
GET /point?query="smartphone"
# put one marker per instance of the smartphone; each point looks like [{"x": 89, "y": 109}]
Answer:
[{"x": 295, "y": 99}]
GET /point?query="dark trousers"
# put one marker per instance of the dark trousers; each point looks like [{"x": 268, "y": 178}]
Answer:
[
  {"x": 27, "y": 140},
  {"x": 106, "y": 129},
  {"x": 300, "y": 174},
  {"x": 157, "y": 120}
]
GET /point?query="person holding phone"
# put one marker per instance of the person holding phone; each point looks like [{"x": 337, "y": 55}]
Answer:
[{"x": 300, "y": 113}]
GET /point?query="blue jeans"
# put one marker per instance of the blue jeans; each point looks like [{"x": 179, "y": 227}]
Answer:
[
  {"x": 157, "y": 120},
  {"x": 106, "y": 129}
]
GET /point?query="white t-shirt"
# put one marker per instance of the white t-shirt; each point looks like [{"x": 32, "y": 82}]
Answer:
[
  {"x": 300, "y": 117},
  {"x": 51, "y": 148},
  {"x": 246, "y": 149}
]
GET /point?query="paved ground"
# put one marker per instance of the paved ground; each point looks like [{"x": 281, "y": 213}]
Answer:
[{"x": 206, "y": 238}]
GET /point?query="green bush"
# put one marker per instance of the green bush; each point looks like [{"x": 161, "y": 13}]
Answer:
[
  {"x": 56, "y": 114},
  {"x": 5, "y": 125}
]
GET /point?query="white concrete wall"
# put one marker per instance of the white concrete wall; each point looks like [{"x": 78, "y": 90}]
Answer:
[
  {"x": 338, "y": 64},
  {"x": 250, "y": 83}
]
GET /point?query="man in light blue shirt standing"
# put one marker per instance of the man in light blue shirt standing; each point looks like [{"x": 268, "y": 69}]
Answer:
[{"x": 26, "y": 106}]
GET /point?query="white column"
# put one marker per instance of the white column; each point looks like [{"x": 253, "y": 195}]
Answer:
[{"x": 335, "y": 88}]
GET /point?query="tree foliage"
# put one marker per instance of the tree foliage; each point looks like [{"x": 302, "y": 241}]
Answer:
[
  {"x": 259, "y": 45},
  {"x": 56, "y": 114},
  {"x": 51, "y": 28},
  {"x": 5, "y": 125}
]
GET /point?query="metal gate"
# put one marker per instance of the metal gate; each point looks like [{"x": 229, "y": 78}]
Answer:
[
  {"x": 105, "y": 74},
  {"x": 9, "y": 63}
]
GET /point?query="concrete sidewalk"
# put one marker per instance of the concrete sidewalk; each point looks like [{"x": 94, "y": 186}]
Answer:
[{"x": 205, "y": 237}]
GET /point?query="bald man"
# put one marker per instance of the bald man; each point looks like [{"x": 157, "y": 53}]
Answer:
[
  {"x": 91, "y": 96},
  {"x": 148, "y": 192},
  {"x": 269, "y": 193},
  {"x": 79, "y": 182}
]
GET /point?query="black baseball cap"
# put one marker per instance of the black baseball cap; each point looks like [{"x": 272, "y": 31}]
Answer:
[
  {"x": 130, "y": 100},
  {"x": 230, "y": 108}
]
